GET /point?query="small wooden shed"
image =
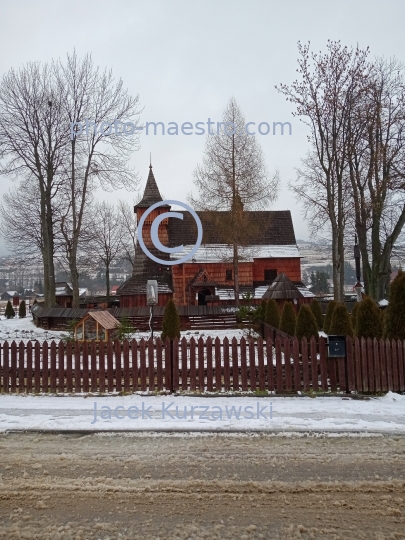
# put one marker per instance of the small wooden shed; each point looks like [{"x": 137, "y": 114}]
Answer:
[
  {"x": 96, "y": 326},
  {"x": 284, "y": 290}
]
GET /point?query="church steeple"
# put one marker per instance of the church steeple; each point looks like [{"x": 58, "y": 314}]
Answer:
[{"x": 151, "y": 195}]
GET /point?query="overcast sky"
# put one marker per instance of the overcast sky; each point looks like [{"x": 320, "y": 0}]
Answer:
[{"x": 185, "y": 59}]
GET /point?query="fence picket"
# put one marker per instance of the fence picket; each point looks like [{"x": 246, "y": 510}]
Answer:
[
  {"x": 159, "y": 365},
  {"x": 377, "y": 367},
  {"x": 235, "y": 365},
  {"x": 401, "y": 365},
  {"x": 364, "y": 367},
  {"x": 61, "y": 367},
  {"x": 243, "y": 365},
  {"x": 305, "y": 366},
  {"x": 388, "y": 360},
  {"x": 13, "y": 367},
  {"x": 118, "y": 365},
  {"x": 93, "y": 366},
  {"x": 142, "y": 363},
  {"x": 151, "y": 365},
  {"x": 323, "y": 364},
  {"x": 53, "y": 367},
  {"x": 260, "y": 362},
  {"x": 287, "y": 365},
  {"x": 176, "y": 377},
  {"x": 218, "y": 370},
  {"x": 297, "y": 367},
  {"x": 357, "y": 364},
  {"x": 383, "y": 364},
  {"x": 45, "y": 366},
  {"x": 168, "y": 365},
  {"x": 252, "y": 365},
  {"x": 395, "y": 378},
  {"x": 125, "y": 360},
  {"x": 279, "y": 366},
  {"x": 370, "y": 366},
  {"x": 193, "y": 382},
  {"x": 350, "y": 364},
  {"x": 101, "y": 366},
  {"x": 69, "y": 374},
  {"x": 209, "y": 365},
  {"x": 184, "y": 350},
  {"x": 77, "y": 368},
  {"x": 135, "y": 371},
  {"x": 227, "y": 375},
  {"x": 270, "y": 366},
  {"x": 21, "y": 368},
  {"x": 110, "y": 367},
  {"x": 201, "y": 368},
  {"x": 29, "y": 367},
  {"x": 6, "y": 368},
  {"x": 314, "y": 364},
  {"x": 85, "y": 367}
]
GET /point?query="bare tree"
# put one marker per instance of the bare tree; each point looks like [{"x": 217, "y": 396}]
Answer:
[
  {"x": 324, "y": 97},
  {"x": 127, "y": 218},
  {"x": 106, "y": 244},
  {"x": 34, "y": 144},
  {"x": 38, "y": 106},
  {"x": 233, "y": 179},
  {"x": 377, "y": 171}
]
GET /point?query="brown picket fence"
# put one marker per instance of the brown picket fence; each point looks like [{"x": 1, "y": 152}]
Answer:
[{"x": 281, "y": 366}]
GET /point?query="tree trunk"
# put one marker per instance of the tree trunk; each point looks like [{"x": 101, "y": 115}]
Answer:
[
  {"x": 107, "y": 281},
  {"x": 236, "y": 273}
]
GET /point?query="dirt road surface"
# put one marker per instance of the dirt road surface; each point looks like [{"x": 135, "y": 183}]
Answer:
[{"x": 151, "y": 486}]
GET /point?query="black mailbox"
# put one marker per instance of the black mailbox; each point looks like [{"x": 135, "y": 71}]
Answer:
[{"x": 337, "y": 346}]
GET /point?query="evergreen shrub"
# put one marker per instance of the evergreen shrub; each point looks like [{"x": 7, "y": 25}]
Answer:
[
  {"x": 22, "y": 310},
  {"x": 341, "y": 323},
  {"x": 368, "y": 319},
  {"x": 171, "y": 321},
  {"x": 306, "y": 323},
  {"x": 328, "y": 316},
  {"x": 272, "y": 314},
  {"x": 9, "y": 313},
  {"x": 288, "y": 319},
  {"x": 316, "y": 310},
  {"x": 395, "y": 312}
]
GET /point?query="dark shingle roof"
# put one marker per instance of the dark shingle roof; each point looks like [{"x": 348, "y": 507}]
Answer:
[
  {"x": 151, "y": 195},
  {"x": 282, "y": 288},
  {"x": 269, "y": 228}
]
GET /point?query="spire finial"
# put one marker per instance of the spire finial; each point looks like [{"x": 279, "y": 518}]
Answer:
[{"x": 150, "y": 160}]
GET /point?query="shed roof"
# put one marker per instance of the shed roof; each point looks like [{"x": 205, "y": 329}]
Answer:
[
  {"x": 107, "y": 321},
  {"x": 283, "y": 288}
]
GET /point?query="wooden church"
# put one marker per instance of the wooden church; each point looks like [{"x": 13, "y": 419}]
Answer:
[{"x": 208, "y": 278}]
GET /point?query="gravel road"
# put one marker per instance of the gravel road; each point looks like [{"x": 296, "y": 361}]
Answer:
[{"x": 151, "y": 486}]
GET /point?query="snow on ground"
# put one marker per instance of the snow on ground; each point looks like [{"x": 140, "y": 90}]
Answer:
[
  {"x": 198, "y": 413},
  {"x": 25, "y": 330}
]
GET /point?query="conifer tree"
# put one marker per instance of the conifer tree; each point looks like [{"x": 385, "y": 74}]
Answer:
[
  {"x": 316, "y": 310},
  {"x": 341, "y": 323},
  {"x": 368, "y": 319},
  {"x": 306, "y": 323},
  {"x": 260, "y": 313},
  {"x": 9, "y": 313},
  {"x": 328, "y": 316},
  {"x": 22, "y": 310},
  {"x": 395, "y": 316},
  {"x": 171, "y": 321},
  {"x": 272, "y": 314},
  {"x": 288, "y": 319},
  {"x": 353, "y": 315}
]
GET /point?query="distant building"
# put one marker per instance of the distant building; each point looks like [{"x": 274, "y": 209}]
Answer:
[
  {"x": 64, "y": 293},
  {"x": 8, "y": 295}
]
